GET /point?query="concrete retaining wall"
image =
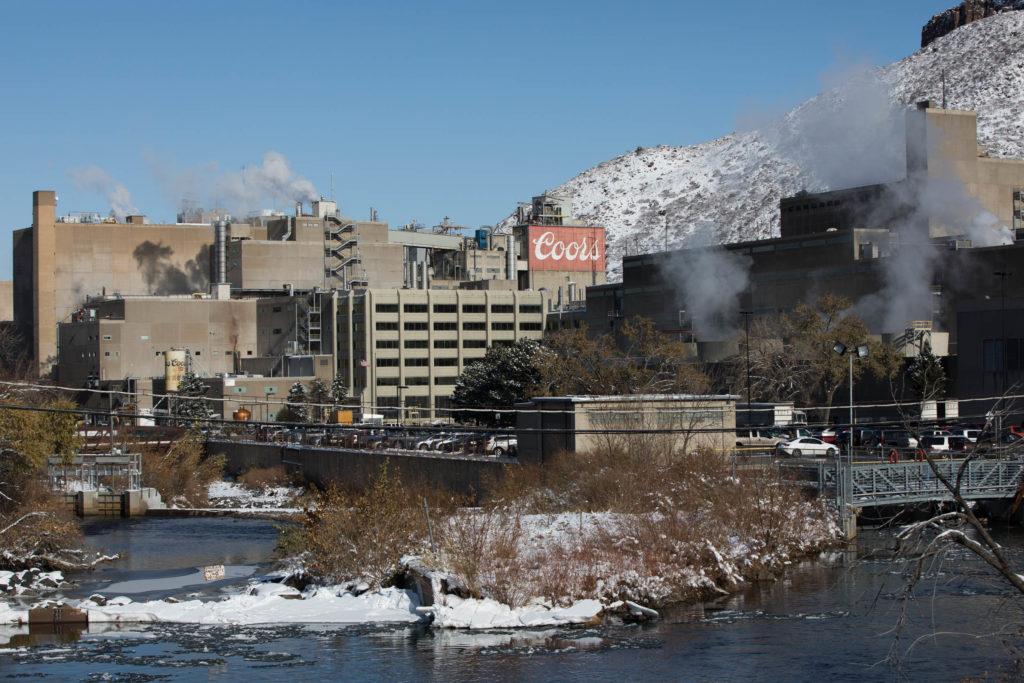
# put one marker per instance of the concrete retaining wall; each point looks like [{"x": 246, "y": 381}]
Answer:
[{"x": 356, "y": 469}]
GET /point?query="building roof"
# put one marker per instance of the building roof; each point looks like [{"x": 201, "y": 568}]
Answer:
[{"x": 624, "y": 398}]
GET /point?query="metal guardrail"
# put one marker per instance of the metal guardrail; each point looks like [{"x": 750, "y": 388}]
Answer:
[{"x": 873, "y": 484}]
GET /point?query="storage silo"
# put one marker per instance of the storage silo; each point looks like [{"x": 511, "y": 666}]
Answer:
[{"x": 175, "y": 366}]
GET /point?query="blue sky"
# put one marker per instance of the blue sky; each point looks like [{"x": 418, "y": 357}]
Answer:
[{"x": 420, "y": 109}]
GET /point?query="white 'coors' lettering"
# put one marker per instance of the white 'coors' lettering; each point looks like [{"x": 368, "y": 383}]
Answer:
[{"x": 547, "y": 246}]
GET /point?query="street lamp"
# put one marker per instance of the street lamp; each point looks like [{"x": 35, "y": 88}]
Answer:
[
  {"x": 746, "y": 325},
  {"x": 401, "y": 404},
  {"x": 860, "y": 351}
]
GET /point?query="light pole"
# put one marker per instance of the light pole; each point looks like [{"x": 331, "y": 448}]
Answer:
[
  {"x": 844, "y": 480},
  {"x": 1002, "y": 275},
  {"x": 746, "y": 326},
  {"x": 401, "y": 404}
]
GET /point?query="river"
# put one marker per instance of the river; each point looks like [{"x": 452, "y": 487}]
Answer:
[{"x": 830, "y": 618}]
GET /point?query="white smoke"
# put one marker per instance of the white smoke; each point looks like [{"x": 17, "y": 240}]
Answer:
[
  {"x": 850, "y": 135},
  {"x": 272, "y": 179},
  {"x": 854, "y": 134},
  {"x": 712, "y": 280},
  {"x": 95, "y": 179},
  {"x": 272, "y": 182}
]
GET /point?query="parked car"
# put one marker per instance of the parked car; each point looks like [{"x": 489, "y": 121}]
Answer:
[
  {"x": 499, "y": 445},
  {"x": 897, "y": 438},
  {"x": 945, "y": 443},
  {"x": 808, "y": 445},
  {"x": 747, "y": 438},
  {"x": 969, "y": 433},
  {"x": 828, "y": 435},
  {"x": 431, "y": 441}
]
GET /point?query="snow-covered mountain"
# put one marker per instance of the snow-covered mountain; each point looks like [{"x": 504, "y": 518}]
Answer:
[{"x": 728, "y": 189}]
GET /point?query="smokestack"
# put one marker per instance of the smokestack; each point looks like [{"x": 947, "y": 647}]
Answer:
[
  {"x": 298, "y": 209},
  {"x": 510, "y": 257},
  {"x": 220, "y": 246},
  {"x": 572, "y": 292}
]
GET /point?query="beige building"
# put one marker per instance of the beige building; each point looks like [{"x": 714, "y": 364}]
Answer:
[
  {"x": 406, "y": 347},
  {"x": 119, "y": 339},
  {"x": 661, "y": 424}
]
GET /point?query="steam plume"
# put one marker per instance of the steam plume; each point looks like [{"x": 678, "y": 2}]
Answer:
[
  {"x": 712, "y": 280},
  {"x": 95, "y": 179}
]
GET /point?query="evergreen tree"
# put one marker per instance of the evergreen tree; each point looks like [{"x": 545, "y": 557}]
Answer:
[
  {"x": 296, "y": 402},
  {"x": 504, "y": 376},
  {"x": 926, "y": 374},
  {"x": 339, "y": 390},
  {"x": 318, "y": 396},
  {"x": 190, "y": 404}
]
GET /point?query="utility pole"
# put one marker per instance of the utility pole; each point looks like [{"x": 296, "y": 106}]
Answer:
[
  {"x": 746, "y": 324},
  {"x": 1003, "y": 356}
]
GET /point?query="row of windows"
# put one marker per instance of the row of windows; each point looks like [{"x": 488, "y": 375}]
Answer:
[
  {"x": 416, "y": 381},
  {"x": 453, "y": 308},
  {"x": 997, "y": 358},
  {"x": 453, "y": 326}
]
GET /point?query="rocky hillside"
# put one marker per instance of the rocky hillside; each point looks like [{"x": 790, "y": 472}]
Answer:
[
  {"x": 728, "y": 189},
  {"x": 963, "y": 14}
]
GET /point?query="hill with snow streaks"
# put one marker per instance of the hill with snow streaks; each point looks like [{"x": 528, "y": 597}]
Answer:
[{"x": 728, "y": 189}]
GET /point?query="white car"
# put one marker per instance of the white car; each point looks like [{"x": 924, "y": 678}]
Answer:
[
  {"x": 501, "y": 444},
  {"x": 808, "y": 445}
]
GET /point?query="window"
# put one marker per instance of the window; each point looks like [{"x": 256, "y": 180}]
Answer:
[
  {"x": 277, "y": 330},
  {"x": 387, "y": 343},
  {"x": 446, "y": 343},
  {"x": 417, "y": 382},
  {"x": 383, "y": 327},
  {"x": 416, "y": 343},
  {"x": 534, "y": 327},
  {"x": 417, "y": 362},
  {"x": 474, "y": 308},
  {"x": 387, "y": 381},
  {"x": 276, "y": 309},
  {"x": 415, "y": 308},
  {"x": 503, "y": 308},
  {"x": 414, "y": 327},
  {"x": 386, "y": 308},
  {"x": 387, "y": 362},
  {"x": 445, "y": 381},
  {"x": 474, "y": 344},
  {"x": 199, "y": 353},
  {"x": 502, "y": 342},
  {"x": 474, "y": 326},
  {"x": 446, "y": 362},
  {"x": 446, "y": 326},
  {"x": 992, "y": 352},
  {"x": 529, "y": 308},
  {"x": 503, "y": 326},
  {"x": 445, "y": 308},
  {"x": 248, "y": 352}
]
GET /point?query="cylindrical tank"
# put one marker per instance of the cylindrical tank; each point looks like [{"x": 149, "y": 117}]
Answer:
[
  {"x": 175, "y": 365},
  {"x": 510, "y": 258},
  {"x": 241, "y": 415}
]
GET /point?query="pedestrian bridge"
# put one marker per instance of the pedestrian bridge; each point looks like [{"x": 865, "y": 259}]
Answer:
[{"x": 873, "y": 483}]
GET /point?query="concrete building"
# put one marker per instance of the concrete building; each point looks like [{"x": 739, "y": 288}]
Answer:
[
  {"x": 59, "y": 262},
  {"x": 547, "y": 426},
  {"x": 849, "y": 243},
  {"x": 405, "y": 348},
  {"x": 120, "y": 339},
  {"x": 6, "y": 300}
]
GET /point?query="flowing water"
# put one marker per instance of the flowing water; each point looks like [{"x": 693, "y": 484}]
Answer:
[{"x": 828, "y": 619}]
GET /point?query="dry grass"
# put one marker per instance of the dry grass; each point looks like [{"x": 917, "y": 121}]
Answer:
[
  {"x": 610, "y": 524},
  {"x": 259, "y": 478},
  {"x": 182, "y": 474},
  {"x": 48, "y": 538}
]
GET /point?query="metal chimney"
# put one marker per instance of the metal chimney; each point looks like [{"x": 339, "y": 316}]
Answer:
[{"x": 220, "y": 246}]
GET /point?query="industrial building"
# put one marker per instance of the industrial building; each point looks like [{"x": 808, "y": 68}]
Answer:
[
  {"x": 401, "y": 350},
  {"x": 850, "y": 243}
]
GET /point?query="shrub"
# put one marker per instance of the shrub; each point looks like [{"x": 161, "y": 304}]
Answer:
[
  {"x": 182, "y": 474},
  {"x": 346, "y": 536},
  {"x": 264, "y": 477}
]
